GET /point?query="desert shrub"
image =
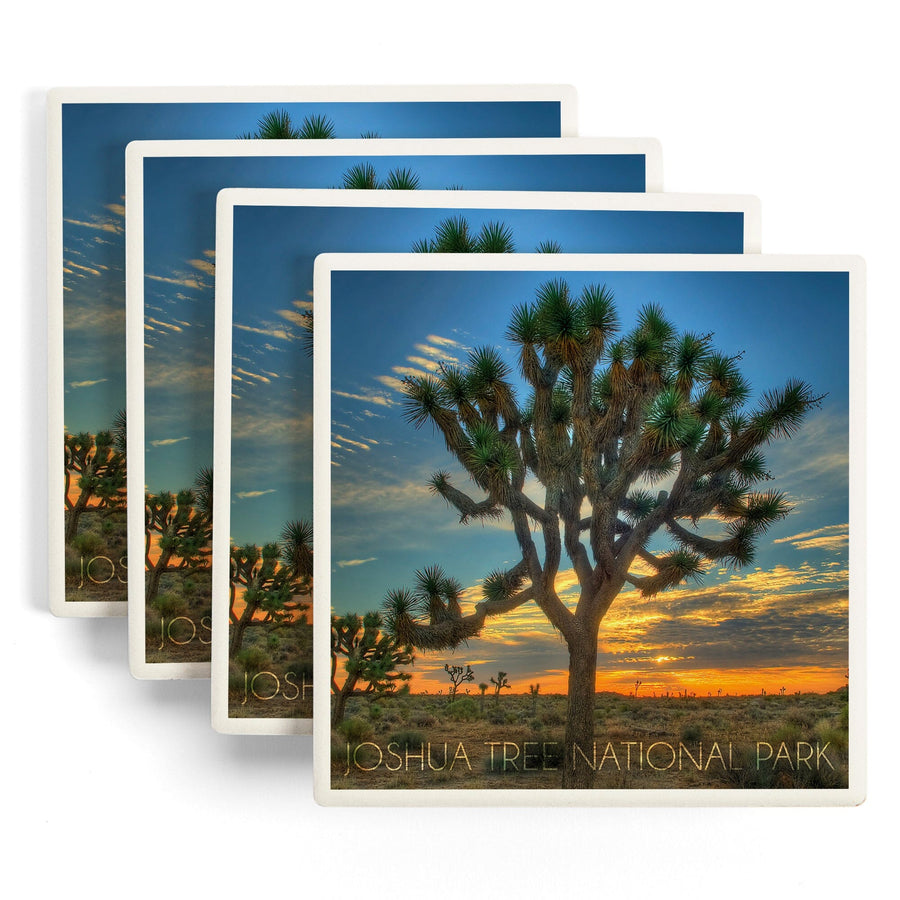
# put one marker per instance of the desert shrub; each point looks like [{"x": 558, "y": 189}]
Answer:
[
  {"x": 799, "y": 717},
  {"x": 691, "y": 732},
  {"x": 496, "y": 718},
  {"x": 88, "y": 544},
  {"x": 355, "y": 731},
  {"x": 553, "y": 719},
  {"x": 169, "y": 605},
  {"x": 788, "y": 733},
  {"x": 422, "y": 719},
  {"x": 407, "y": 740},
  {"x": 536, "y": 725},
  {"x": 827, "y": 732},
  {"x": 375, "y": 712},
  {"x": 512, "y": 719},
  {"x": 463, "y": 710},
  {"x": 253, "y": 659}
]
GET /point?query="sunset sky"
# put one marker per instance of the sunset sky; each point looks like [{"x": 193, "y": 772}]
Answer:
[
  {"x": 781, "y": 622},
  {"x": 94, "y": 139}
]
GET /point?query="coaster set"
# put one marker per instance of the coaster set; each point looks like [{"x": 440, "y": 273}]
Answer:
[{"x": 448, "y": 437}]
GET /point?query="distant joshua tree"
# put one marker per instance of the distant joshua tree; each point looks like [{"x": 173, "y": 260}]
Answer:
[
  {"x": 177, "y": 528},
  {"x": 534, "y": 690},
  {"x": 637, "y": 685},
  {"x": 96, "y": 464},
  {"x": 458, "y": 675},
  {"x": 499, "y": 683},
  {"x": 482, "y": 687},
  {"x": 277, "y": 126},
  {"x": 371, "y": 656},
  {"x": 275, "y": 578}
]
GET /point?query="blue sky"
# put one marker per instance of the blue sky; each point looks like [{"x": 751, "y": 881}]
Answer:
[
  {"x": 94, "y": 139},
  {"x": 786, "y": 611},
  {"x": 273, "y": 263},
  {"x": 179, "y": 240}
]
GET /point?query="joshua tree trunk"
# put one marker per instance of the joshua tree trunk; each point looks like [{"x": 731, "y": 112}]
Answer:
[
  {"x": 155, "y": 573},
  {"x": 580, "y": 717},
  {"x": 74, "y": 515},
  {"x": 238, "y": 628},
  {"x": 339, "y": 701}
]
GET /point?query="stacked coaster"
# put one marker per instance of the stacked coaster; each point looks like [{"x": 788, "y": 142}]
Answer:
[{"x": 448, "y": 436}]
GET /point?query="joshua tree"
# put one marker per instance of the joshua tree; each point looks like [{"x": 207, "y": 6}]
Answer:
[
  {"x": 277, "y": 125},
  {"x": 534, "y": 690},
  {"x": 499, "y": 683},
  {"x": 96, "y": 462},
  {"x": 482, "y": 687},
  {"x": 363, "y": 177},
  {"x": 608, "y": 414},
  {"x": 371, "y": 655},
  {"x": 457, "y": 675},
  {"x": 275, "y": 577},
  {"x": 179, "y": 527},
  {"x": 637, "y": 686}
]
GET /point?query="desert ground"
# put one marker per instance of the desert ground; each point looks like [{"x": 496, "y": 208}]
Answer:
[{"x": 515, "y": 741}]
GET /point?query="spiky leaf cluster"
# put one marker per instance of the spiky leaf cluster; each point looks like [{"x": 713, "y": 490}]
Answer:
[
  {"x": 277, "y": 125},
  {"x": 364, "y": 177}
]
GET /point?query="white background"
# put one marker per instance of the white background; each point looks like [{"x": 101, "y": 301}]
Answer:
[{"x": 114, "y": 787}]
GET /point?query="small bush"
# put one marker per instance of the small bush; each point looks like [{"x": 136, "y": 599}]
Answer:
[
  {"x": 252, "y": 659},
  {"x": 422, "y": 720},
  {"x": 463, "y": 710},
  {"x": 355, "y": 731},
  {"x": 691, "y": 732},
  {"x": 169, "y": 605},
  {"x": 375, "y": 712},
  {"x": 88, "y": 544},
  {"x": 407, "y": 740}
]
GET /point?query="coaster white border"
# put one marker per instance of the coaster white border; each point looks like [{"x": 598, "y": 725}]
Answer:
[
  {"x": 138, "y": 151},
  {"x": 565, "y": 95},
  {"x": 324, "y": 793},
  {"x": 452, "y": 201}
]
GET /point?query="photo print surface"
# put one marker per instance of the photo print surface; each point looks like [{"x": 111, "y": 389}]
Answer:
[
  {"x": 171, "y": 225},
  {"x": 262, "y": 652},
  {"x": 88, "y": 130},
  {"x": 598, "y": 542}
]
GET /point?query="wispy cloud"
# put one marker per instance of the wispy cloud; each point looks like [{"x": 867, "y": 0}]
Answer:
[
  {"x": 98, "y": 224},
  {"x": 345, "y": 563},
  {"x": 280, "y": 334},
  {"x": 250, "y": 495},
  {"x": 829, "y": 537},
  {"x": 203, "y": 265},
  {"x": 436, "y": 353},
  {"x": 83, "y": 384},
  {"x": 444, "y": 341},
  {"x": 238, "y": 371},
  {"x": 185, "y": 281},
  {"x": 375, "y": 399},
  {"x": 165, "y": 442},
  {"x": 360, "y": 444},
  {"x": 116, "y": 208}
]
